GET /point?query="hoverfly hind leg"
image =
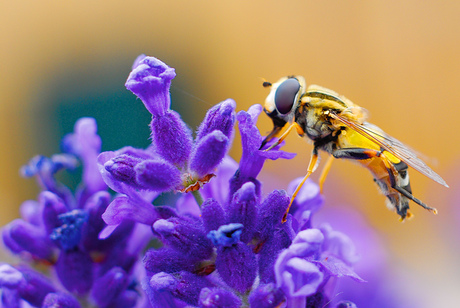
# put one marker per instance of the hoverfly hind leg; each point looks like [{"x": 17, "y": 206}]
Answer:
[
  {"x": 408, "y": 195},
  {"x": 393, "y": 172}
]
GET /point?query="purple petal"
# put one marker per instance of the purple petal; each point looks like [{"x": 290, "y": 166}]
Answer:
[
  {"x": 59, "y": 299},
  {"x": 243, "y": 210},
  {"x": 237, "y": 266},
  {"x": 252, "y": 158},
  {"x": 271, "y": 212},
  {"x": 123, "y": 208},
  {"x": 208, "y": 153},
  {"x": 172, "y": 138},
  {"x": 121, "y": 168},
  {"x": 251, "y": 161},
  {"x": 75, "y": 271},
  {"x": 138, "y": 61},
  {"x": 107, "y": 288},
  {"x": 53, "y": 206},
  {"x": 9, "y": 276},
  {"x": 218, "y": 298},
  {"x": 306, "y": 244},
  {"x": 167, "y": 260},
  {"x": 86, "y": 144},
  {"x": 150, "y": 80},
  {"x": 346, "y": 304},
  {"x": 182, "y": 285},
  {"x": 44, "y": 169},
  {"x": 266, "y": 296},
  {"x": 218, "y": 187},
  {"x": 184, "y": 235},
  {"x": 31, "y": 239},
  {"x": 108, "y": 178},
  {"x": 11, "y": 299},
  {"x": 126, "y": 299},
  {"x": 308, "y": 198},
  {"x": 157, "y": 175},
  {"x": 95, "y": 206},
  {"x": 338, "y": 244},
  {"x": 118, "y": 185},
  {"x": 31, "y": 212},
  {"x": 337, "y": 268},
  {"x": 213, "y": 215},
  {"x": 310, "y": 236},
  {"x": 300, "y": 278},
  {"x": 271, "y": 248},
  {"x": 186, "y": 205},
  {"x": 159, "y": 291},
  {"x": 8, "y": 240},
  {"x": 35, "y": 287},
  {"x": 220, "y": 117}
]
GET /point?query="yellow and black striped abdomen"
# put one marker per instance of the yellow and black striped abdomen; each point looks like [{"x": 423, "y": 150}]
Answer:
[{"x": 384, "y": 178}]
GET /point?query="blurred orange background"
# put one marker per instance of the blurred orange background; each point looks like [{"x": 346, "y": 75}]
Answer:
[{"x": 398, "y": 59}]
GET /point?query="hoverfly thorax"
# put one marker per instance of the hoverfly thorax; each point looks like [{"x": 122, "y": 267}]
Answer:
[{"x": 282, "y": 101}]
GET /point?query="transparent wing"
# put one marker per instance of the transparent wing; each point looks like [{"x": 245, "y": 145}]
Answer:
[{"x": 392, "y": 145}]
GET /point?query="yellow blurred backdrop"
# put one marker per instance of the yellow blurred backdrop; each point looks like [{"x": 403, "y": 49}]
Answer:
[{"x": 398, "y": 59}]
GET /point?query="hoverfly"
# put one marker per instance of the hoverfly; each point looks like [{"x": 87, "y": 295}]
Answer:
[{"x": 338, "y": 126}]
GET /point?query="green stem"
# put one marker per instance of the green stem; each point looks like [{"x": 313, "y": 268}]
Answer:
[{"x": 198, "y": 197}]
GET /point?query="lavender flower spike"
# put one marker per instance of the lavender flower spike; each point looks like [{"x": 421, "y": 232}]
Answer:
[
  {"x": 61, "y": 229},
  {"x": 150, "y": 80},
  {"x": 252, "y": 159},
  {"x": 86, "y": 144}
]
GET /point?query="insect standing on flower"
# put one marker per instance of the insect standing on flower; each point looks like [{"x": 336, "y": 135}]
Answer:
[{"x": 338, "y": 126}]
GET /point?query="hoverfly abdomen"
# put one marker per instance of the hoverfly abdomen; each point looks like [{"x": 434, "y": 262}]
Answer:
[{"x": 395, "y": 200}]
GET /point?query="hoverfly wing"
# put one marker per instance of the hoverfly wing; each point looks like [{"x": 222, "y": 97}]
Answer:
[{"x": 392, "y": 145}]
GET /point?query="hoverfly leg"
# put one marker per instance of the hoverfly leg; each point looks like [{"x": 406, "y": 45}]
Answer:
[
  {"x": 355, "y": 153},
  {"x": 408, "y": 195},
  {"x": 325, "y": 172},
  {"x": 285, "y": 134},
  {"x": 276, "y": 130},
  {"x": 392, "y": 172},
  {"x": 311, "y": 168}
]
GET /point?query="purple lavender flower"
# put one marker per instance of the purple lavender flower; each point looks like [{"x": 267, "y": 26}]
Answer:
[
  {"x": 174, "y": 161},
  {"x": 61, "y": 230}
]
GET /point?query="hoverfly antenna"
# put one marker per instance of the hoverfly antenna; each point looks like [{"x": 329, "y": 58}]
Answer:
[{"x": 265, "y": 84}]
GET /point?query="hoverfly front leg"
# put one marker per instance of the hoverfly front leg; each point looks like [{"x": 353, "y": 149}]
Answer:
[
  {"x": 311, "y": 168},
  {"x": 285, "y": 134}
]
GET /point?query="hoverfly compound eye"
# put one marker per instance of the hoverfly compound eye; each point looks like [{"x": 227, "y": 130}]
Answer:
[{"x": 286, "y": 94}]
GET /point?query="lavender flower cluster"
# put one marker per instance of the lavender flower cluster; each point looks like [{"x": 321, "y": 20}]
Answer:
[{"x": 220, "y": 244}]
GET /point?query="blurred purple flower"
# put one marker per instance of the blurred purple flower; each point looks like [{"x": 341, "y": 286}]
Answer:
[{"x": 61, "y": 230}]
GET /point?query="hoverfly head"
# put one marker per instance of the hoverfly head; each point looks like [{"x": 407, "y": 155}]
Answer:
[{"x": 282, "y": 101}]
